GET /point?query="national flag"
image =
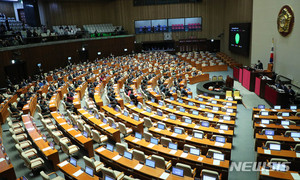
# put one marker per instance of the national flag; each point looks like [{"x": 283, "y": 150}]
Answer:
[{"x": 272, "y": 52}]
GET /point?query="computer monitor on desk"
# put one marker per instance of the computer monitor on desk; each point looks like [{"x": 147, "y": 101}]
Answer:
[
  {"x": 188, "y": 120},
  {"x": 295, "y": 134},
  {"x": 269, "y": 132},
  {"x": 275, "y": 147},
  {"x": 285, "y": 114},
  {"x": 138, "y": 135},
  {"x": 153, "y": 140},
  {"x": 73, "y": 161},
  {"x": 261, "y": 106},
  {"x": 106, "y": 177},
  {"x": 205, "y": 124},
  {"x": 195, "y": 151},
  {"x": 218, "y": 156},
  {"x": 264, "y": 113},
  {"x": 265, "y": 121},
  {"x": 89, "y": 171},
  {"x": 172, "y": 146},
  {"x": 207, "y": 177},
  {"x": 161, "y": 126},
  {"x": 277, "y": 107},
  {"x": 150, "y": 163},
  {"x": 293, "y": 107},
  {"x": 128, "y": 155},
  {"x": 285, "y": 122},
  {"x": 110, "y": 147},
  {"x": 177, "y": 171},
  {"x": 200, "y": 99},
  {"x": 279, "y": 167},
  {"x": 220, "y": 139},
  {"x": 171, "y": 106}
]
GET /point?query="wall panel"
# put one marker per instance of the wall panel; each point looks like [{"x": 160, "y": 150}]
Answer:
[{"x": 7, "y": 8}]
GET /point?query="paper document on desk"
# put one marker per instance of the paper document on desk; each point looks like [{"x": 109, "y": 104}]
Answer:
[
  {"x": 164, "y": 175},
  {"x": 78, "y": 135},
  {"x": 270, "y": 137},
  {"x": 150, "y": 145},
  {"x": 296, "y": 139},
  {"x": 174, "y": 135},
  {"x": 265, "y": 172},
  {"x": 189, "y": 138},
  {"x": 156, "y": 129},
  {"x": 173, "y": 151},
  {"x": 219, "y": 144},
  {"x": 184, "y": 124},
  {"x": 200, "y": 158},
  {"x": 78, "y": 173},
  {"x": 47, "y": 148},
  {"x": 295, "y": 175},
  {"x": 267, "y": 151},
  {"x": 63, "y": 164},
  {"x": 2, "y": 159},
  {"x": 101, "y": 149},
  {"x": 184, "y": 155},
  {"x": 298, "y": 155},
  {"x": 138, "y": 167},
  {"x": 216, "y": 162},
  {"x": 117, "y": 157},
  {"x": 135, "y": 140}
]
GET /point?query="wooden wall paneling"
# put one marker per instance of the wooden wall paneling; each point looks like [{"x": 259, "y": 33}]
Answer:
[{"x": 7, "y": 8}]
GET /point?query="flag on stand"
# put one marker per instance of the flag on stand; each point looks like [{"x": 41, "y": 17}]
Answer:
[{"x": 272, "y": 52}]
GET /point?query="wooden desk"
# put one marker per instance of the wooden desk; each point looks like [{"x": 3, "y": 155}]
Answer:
[
  {"x": 31, "y": 106},
  {"x": 193, "y": 160},
  {"x": 177, "y": 122},
  {"x": 214, "y": 68},
  {"x": 186, "y": 106},
  {"x": 196, "y": 117},
  {"x": 80, "y": 90},
  {"x": 289, "y": 141},
  {"x": 44, "y": 89},
  {"x": 294, "y": 118},
  {"x": 77, "y": 101},
  {"x": 278, "y": 174},
  {"x": 69, "y": 170},
  {"x": 44, "y": 147},
  {"x": 137, "y": 126},
  {"x": 54, "y": 102},
  {"x": 186, "y": 99},
  {"x": 6, "y": 170},
  {"x": 278, "y": 128},
  {"x": 86, "y": 143},
  {"x": 218, "y": 100},
  {"x": 3, "y": 108},
  {"x": 62, "y": 90},
  {"x": 280, "y": 154},
  {"x": 128, "y": 166},
  {"x": 182, "y": 139},
  {"x": 198, "y": 78},
  {"x": 112, "y": 133}
]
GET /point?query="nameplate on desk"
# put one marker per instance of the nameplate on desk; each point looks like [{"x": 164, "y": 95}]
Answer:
[
  {"x": 85, "y": 113},
  {"x": 173, "y": 151},
  {"x": 167, "y": 109},
  {"x": 117, "y": 157},
  {"x": 2, "y": 159},
  {"x": 296, "y": 139},
  {"x": 274, "y": 110},
  {"x": 200, "y": 158},
  {"x": 298, "y": 155},
  {"x": 219, "y": 144},
  {"x": 78, "y": 135},
  {"x": 27, "y": 122},
  {"x": 151, "y": 145},
  {"x": 63, "y": 123},
  {"x": 70, "y": 129},
  {"x": 165, "y": 119},
  {"x": 102, "y": 124},
  {"x": 159, "y": 106},
  {"x": 63, "y": 163},
  {"x": 216, "y": 162},
  {"x": 143, "y": 111},
  {"x": 262, "y": 110},
  {"x": 262, "y": 125},
  {"x": 38, "y": 139},
  {"x": 133, "y": 108},
  {"x": 295, "y": 175},
  {"x": 270, "y": 137},
  {"x": 256, "y": 116},
  {"x": 164, "y": 175},
  {"x": 196, "y": 127},
  {"x": 101, "y": 149},
  {"x": 214, "y": 111},
  {"x": 285, "y": 127},
  {"x": 199, "y": 108},
  {"x": 156, "y": 129},
  {"x": 177, "y": 111},
  {"x": 58, "y": 117},
  {"x": 135, "y": 140},
  {"x": 211, "y": 119},
  {"x": 47, "y": 148},
  {"x": 30, "y": 129},
  {"x": 265, "y": 172},
  {"x": 78, "y": 173},
  {"x": 221, "y": 120},
  {"x": 267, "y": 151},
  {"x": 228, "y": 113},
  {"x": 279, "y": 117},
  {"x": 221, "y": 131},
  {"x": 106, "y": 128},
  {"x": 294, "y": 110},
  {"x": 152, "y": 115},
  {"x": 184, "y": 155},
  {"x": 138, "y": 167},
  {"x": 189, "y": 138},
  {"x": 174, "y": 135}
]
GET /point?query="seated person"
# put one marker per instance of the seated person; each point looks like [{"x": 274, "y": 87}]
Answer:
[
  {"x": 70, "y": 98},
  {"x": 13, "y": 109},
  {"x": 2, "y": 98},
  {"x": 44, "y": 107},
  {"x": 183, "y": 91},
  {"x": 21, "y": 103}
]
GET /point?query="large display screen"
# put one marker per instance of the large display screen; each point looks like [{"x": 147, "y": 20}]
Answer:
[
  {"x": 168, "y": 25},
  {"x": 239, "y": 38}
]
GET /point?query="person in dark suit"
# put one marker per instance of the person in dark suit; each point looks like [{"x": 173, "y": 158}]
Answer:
[
  {"x": 259, "y": 65},
  {"x": 291, "y": 93},
  {"x": 183, "y": 91}
]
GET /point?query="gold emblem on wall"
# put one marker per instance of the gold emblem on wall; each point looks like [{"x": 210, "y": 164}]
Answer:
[{"x": 285, "y": 20}]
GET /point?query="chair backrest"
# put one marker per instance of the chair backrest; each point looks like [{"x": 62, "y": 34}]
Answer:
[
  {"x": 187, "y": 147},
  {"x": 278, "y": 160},
  {"x": 297, "y": 148},
  {"x": 18, "y": 147},
  {"x": 80, "y": 125},
  {"x": 147, "y": 122},
  {"x": 89, "y": 162},
  {"x": 210, "y": 173},
  {"x": 139, "y": 155},
  {"x": 64, "y": 147},
  {"x": 165, "y": 141},
  {"x": 228, "y": 93},
  {"x": 120, "y": 148},
  {"x": 122, "y": 128},
  {"x": 88, "y": 130},
  {"x": 147, "y": 136},
  {"x": 44, "y": 175},
  {"x": 110, "y": 120},
  {"x": 187, "y": 170},
  {"x": 211, "y": 152},
  {"x": 15, "y": 139},
  {"x": 108, "y": 172},
  {"x": 214, "y": 78},
  {"x": 26, "y": 159},
  {"x": 159, "y": 161},
  {"x": 236, "y": 93},
  {"x": 271, "y": 142},
  {"x": 38, "y": 108},
  {"x": 96, "y": 136}
]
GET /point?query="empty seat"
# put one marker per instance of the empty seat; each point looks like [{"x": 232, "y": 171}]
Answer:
[
  {"x": 160, "y": 162},
  {"x": 124, "y": 130},
  {"x": 32, "y": 164},
  {"x": 237, "y": 95},
  {"x": 148, "y": 136},
  {"x": 112, "y": 173},
  {"x": 69, "y": 150},
  {"x": 210, "y": 173},
  {"x": 139, "y": 155},
  {"x": 165, "y": 141},
  {"x": 99, "y": 138},
  {"x": 187, "y": 147},
  {"x": 187, "y": 170},
  {"x": 47, "y": 176},
  {"x": 91, "y": 162}
]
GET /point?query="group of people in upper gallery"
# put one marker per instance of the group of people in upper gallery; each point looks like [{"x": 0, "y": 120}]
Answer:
[{"x": 86, "y": 69}]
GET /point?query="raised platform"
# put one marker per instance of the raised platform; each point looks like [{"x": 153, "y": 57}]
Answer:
[{"x": 203, "y": 87}]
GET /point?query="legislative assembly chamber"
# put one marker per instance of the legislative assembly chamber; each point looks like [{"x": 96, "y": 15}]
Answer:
[{"x": 149, "y": 89}]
